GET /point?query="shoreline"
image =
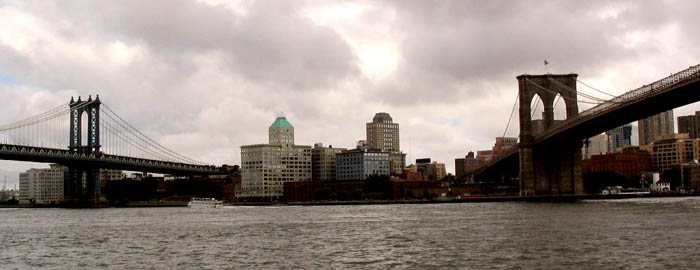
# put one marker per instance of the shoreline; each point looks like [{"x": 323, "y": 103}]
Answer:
[
  {"x": 471, "y": 199},
  {"x": 486, "y": 199}
]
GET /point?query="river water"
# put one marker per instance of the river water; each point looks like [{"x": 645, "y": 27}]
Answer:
[{"x": 630, "y": 234}]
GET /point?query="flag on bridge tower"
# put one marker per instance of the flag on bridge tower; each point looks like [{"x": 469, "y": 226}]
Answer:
[{"x": 545, "y": 62}]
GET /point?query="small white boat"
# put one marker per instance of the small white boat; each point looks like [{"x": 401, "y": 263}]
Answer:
[{"x": 205, "y": 203}]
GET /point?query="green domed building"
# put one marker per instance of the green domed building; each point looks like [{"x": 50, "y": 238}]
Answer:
[{"x": 266, "y": 167}]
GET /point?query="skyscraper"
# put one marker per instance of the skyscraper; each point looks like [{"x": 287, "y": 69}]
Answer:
[
  {"x": 266, "y": 167},
  {"x": 655, "y": 126},
  {"x": 690, "y": 124},
  {"x": 686, "y": 124},
  {"x": 383, "y": 135},
  {"x": 619, "y": 137}
]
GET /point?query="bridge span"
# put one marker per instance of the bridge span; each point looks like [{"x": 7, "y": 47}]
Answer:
[{"x": 86, "y": 136}]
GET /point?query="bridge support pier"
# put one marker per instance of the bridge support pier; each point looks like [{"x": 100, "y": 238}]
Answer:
[
  {"x": 82, "y": 187},
  {"x": 549, "y": 171}
]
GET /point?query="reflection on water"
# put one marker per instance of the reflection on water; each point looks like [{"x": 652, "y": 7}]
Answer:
[{"x": 635, "y": 233}]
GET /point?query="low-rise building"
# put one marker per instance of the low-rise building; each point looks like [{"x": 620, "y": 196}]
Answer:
[
  {"x": 629, "y": 163},
  {"x": 672, "y": 149},
  {"x": 6, "y": 195},
  {"x": 432, "y": 171},
  {"x": 107, "y": 175},
  {"x": 411, "y": 173},
  {"x": 659, "y": 185}
]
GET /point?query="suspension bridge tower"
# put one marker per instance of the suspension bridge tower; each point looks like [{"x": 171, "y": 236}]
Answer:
[
  {"x": 82, "y": 186},
  {"x": 550, "y": 168}
]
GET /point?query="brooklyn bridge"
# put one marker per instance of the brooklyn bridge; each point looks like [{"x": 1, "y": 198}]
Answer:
[{"x": 549, "y": 163}]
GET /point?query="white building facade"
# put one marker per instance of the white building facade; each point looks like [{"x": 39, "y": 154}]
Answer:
[
  {"x": 42, "y": 185},
  {"x": 47, "y": 185}
]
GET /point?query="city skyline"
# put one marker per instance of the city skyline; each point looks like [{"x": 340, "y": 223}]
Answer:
[{"x": 332, "y": 75}]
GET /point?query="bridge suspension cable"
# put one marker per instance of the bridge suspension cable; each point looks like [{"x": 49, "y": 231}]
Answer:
[
  {"x": 555, "y": 93},
  {"x": 578, "y": 92},
  {"x": 51, "y": 129},
  {"x": 595, "y": 89},
  {"x": 512, "y": 111},
  {"x": 133, "y": 137}
]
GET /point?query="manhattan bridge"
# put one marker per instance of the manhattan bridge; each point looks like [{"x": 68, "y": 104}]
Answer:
[{"x": 86, "y": 136}]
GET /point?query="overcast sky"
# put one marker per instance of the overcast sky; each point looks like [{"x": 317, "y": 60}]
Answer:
[{"x": 205, "y": 77}]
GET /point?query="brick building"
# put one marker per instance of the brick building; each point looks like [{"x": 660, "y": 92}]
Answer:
[{"x": 629, "y": 163}]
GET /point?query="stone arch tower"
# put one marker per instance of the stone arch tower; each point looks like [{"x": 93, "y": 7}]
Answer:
[{"x": 554, "y": 168}]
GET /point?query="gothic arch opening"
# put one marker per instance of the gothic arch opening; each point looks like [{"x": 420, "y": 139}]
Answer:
[
  {"x": 536, "y": 107},
  {"x": 559, "y": 109}
]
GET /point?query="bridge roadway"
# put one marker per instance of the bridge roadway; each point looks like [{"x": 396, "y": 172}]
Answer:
[
  {"x": 66, "y": 157},
  {"x": 671, "y": 92}
]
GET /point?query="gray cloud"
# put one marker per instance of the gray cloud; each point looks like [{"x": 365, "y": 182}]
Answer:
[{"x": 204, "y": 79}]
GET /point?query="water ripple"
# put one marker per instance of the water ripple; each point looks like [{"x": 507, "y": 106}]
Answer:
[{"x": 613, "y": 234}]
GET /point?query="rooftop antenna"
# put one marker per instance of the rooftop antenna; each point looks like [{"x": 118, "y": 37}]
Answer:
[
  {"x": 4, "y": 186},
  {"x": 410, "y": 151}
]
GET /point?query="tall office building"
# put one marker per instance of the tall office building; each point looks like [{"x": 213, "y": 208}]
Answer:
[
  {"x": 655, "y": 126},
  {"x": 383, "y": 135},
  {"x": 634, "y": 139},
  {"x": 619, "y": 137},
  {"x": 266, "y": 167},
  {"x": 690, "y": 124},
  {"x": 323, "y": 162}
]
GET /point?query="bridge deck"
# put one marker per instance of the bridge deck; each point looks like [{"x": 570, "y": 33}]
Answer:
[{"x": 66, "y": 157}]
